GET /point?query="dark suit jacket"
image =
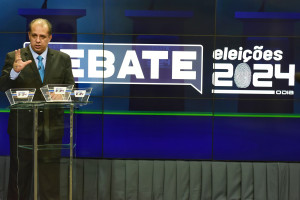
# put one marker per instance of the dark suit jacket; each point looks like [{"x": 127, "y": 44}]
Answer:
[{"x": 58, "y": 70}]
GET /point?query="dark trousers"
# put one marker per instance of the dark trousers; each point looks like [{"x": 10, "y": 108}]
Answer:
[{"x": 20, "y": 185}]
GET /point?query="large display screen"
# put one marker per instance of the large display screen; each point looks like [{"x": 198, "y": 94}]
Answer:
[{"x": 194, "y": 80}]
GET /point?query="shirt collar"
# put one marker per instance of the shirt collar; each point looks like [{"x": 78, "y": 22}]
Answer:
[{"x": 35, "y": 55}]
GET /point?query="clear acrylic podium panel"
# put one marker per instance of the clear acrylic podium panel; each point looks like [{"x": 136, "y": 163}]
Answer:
[
  {"x": 20, "y": 95},
  {"x": 46, "y": 143}
]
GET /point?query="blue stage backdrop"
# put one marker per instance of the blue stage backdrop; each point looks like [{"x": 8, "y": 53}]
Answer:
[{"x": 194, "y": 80}]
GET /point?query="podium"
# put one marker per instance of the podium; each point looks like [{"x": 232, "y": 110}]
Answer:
[
  {"x": 50, "y": 124},
  {"x": 64, "y": 21}
]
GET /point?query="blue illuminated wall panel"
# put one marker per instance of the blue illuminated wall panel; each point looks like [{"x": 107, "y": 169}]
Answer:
[
  {"x": 157, "y": 137},
  {"x": 256, "y": 139},
  {"x": 175, "y": 121}
]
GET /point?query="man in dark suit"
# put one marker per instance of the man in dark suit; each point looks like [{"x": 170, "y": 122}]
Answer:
[{"x": 21, "y": 70}]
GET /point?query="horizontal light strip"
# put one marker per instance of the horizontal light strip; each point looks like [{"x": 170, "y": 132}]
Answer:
[
  {"x": 207, "y": 114},
  {"x": 243, "y": 91},
  {"x": 203, "y": 114}
]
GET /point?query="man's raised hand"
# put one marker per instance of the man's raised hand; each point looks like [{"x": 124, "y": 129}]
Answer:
[{"x": 19, "y": 65}]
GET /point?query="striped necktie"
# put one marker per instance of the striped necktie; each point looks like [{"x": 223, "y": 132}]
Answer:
[{"x": 41, "y": 67}]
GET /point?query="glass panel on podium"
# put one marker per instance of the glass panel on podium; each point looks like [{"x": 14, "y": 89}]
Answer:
[{"x": 44, "y": 145}]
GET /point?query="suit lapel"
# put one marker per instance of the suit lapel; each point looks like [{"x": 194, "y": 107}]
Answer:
[{"x": 50, "y": 57}]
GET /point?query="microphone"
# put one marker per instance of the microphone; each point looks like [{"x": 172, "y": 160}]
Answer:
[
  {"x": 44, "y": 6},
  {"x": 262, "y": 7},
  {"x": 151, "y": 6},
  {"x": 297, "y": 77}
]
